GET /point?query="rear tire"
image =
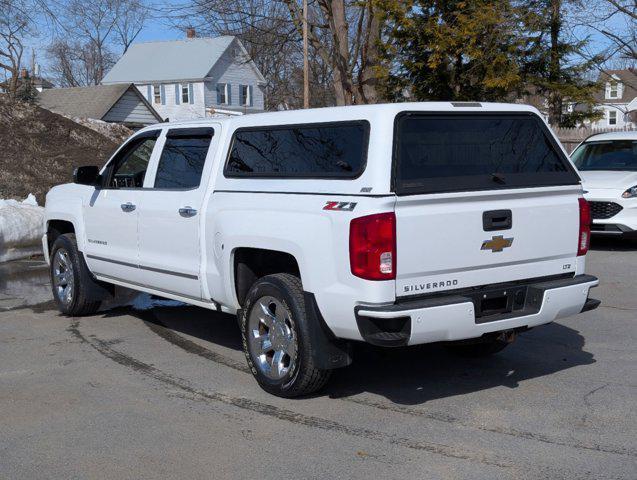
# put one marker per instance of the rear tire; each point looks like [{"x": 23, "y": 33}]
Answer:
[
  {"x": 70, "y": 278},
  {"x": 276, "y": 339}
]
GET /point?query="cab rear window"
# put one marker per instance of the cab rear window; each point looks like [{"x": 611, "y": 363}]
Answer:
[
  {"x": 325, "y": 150},
  {"x": 436, "y": 153}
]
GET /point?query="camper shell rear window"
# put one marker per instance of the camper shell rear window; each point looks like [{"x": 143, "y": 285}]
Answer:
[{"x": 453, "y": 152}]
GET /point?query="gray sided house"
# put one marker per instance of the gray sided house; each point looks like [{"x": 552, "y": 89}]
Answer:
[
  {"x": 110, "y": 103},
  {"x": 192, "y": 78}
]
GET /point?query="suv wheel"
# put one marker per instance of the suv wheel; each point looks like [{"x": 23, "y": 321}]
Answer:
[
  {"x": 70, "y": 277},
  {"x": 276, "y": 339}
]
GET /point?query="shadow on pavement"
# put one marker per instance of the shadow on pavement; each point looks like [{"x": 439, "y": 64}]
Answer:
[
  {"x": 406, "y": 376},
  {"x": 413, "y": 375}
]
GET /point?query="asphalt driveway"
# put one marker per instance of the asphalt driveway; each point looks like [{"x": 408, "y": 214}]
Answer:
[{"x": 165, "y": 393}]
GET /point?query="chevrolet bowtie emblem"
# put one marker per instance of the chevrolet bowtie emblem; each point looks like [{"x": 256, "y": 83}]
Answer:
[{"x": 497, "y": 244}]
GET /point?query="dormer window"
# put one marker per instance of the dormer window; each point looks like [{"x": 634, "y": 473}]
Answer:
[{"x": 613, "y": 89}]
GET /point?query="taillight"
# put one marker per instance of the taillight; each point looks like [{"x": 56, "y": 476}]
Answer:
[
  {"x": 584, "y": 227},
  {"x": 372, "y": 246}
]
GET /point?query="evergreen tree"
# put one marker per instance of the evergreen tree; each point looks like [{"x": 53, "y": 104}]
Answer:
[
  {"x": 26, "y": 91},
  {"x": 553, "y": 67},
  {"x": 455, "y": 50}
]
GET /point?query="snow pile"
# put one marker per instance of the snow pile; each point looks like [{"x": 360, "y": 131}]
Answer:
[
  {"x": 21, "y": 228},
  {"x": 113, "y": 131}
]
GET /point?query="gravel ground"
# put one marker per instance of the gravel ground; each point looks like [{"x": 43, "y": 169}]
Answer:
[{"x": 165, "y": 393}]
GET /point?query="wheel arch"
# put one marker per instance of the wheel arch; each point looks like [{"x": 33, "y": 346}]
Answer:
[
  {"x": 249, "y": 264},
  {"x": 56, "y": 227}
]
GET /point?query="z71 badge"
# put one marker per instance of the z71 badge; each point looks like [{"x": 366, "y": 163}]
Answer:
[{"x": 340, "y": 206}]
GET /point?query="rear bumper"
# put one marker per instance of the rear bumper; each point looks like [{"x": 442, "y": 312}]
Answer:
[
  {"x": 454, "y": 317},
  {"x": 612, "y": 229}
]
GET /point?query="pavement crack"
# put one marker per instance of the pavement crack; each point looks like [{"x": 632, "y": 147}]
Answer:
[
  {"x": 191, "y": 347},
  {"x": 159, "y": 328},
  {"x": 499, "y": 430},
  {"x": 105, "y": 349},
  {"x": 625, "y": 309}
]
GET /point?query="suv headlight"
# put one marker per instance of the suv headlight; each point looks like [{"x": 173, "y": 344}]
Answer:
[{"x": 630, "y": 193}]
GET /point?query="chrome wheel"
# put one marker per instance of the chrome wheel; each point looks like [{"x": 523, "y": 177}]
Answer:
[
  {"x": 273, "y": 344},
  {"x": 63, "y": 280}
]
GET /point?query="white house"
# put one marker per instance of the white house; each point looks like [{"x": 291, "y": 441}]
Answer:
[
  {"x": 192, "y": 78},
  {"x": 617, "y": 99}
]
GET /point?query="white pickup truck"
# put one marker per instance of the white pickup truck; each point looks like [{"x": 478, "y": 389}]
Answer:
[{"x": 391, "y": 224}]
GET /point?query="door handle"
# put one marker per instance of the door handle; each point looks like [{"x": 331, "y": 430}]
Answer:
[
  {"x": 187, "y": 212},
  {"x": 128, "y": 207}
]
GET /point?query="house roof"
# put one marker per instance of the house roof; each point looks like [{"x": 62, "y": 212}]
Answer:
[
  {"x": 187, "y": 59},
  {"x": 629, "y": 80},
  {"x": 90, "y": 102},
  {"x": 37, "y": 82}
]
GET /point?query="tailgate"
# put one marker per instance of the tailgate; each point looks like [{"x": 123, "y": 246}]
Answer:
[
  {"x": 446, "y": 242},
  {"x": 482, "y": 198}
]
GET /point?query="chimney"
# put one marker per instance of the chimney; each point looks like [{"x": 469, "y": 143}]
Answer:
[
  {"x": 190, "y": 32},
  {"x": 24, "y": 73}
]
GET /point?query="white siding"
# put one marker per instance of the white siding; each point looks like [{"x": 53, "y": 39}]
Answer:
[
  {"x": 130, "y": 109},
  {"x": 178, "y": 111},
  {"x": 621, "y": 117},
  {"x": 233, "y": 70}
]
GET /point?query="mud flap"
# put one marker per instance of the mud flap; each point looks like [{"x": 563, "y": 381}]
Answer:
[
  {"x": 328, "y": 351},
  {"x": 95, "y": 290}
]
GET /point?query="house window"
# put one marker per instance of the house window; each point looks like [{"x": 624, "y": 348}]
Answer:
[
  {"x": 156, "y": 94},
  {"x": 185, "y": 93},
  {"x": 245, "y": 91},
  {"x": 612, "y": 117},
  {"x": 613, "y": 90},
  {"x": 222, "y": 93}
]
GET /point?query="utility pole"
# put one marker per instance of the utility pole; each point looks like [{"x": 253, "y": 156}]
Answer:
[{"x": 306, "y": 64}]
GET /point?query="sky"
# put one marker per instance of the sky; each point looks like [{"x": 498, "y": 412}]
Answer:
[{"x": 160, "y": 28}]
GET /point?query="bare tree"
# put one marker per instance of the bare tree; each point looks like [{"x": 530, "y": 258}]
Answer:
[
  {"x": 344, "y": 40},
  {"x": 75, "y": 64},
  {"x": 625, "y": 41},
  {"x": 15, "y": 25},
  {"x": 90, "y": 34},
  {"x": 353, "y": 32},
  {"x": 130, "y": 18}
]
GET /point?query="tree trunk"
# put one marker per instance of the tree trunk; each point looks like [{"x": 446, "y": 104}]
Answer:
[
  {"x": 555, "y": 98},
  {"x": 335, "y": 10},
  {"x": 370, "y": 59}
]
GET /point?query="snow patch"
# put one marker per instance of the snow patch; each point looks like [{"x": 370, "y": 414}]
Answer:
[
  {"x": 144, "y": 301},
  {"x": 21, "y": 228}
]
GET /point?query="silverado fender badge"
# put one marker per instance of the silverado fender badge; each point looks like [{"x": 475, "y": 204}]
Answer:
[
  {"x": 497, "y": 243},
  {"x": 340, "y": 206}
]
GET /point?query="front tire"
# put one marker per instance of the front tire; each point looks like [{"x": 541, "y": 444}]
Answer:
[
  {"x": 70, "y": 278},
  {"x": 276, "y": 339}
]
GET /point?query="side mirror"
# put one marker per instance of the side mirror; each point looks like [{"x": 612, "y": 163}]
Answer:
[{"x": 87, "y": 175}]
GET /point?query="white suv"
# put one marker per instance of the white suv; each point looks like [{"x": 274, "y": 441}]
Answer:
[
  {"x": 391, "y": 224},
  {"x": 608, "y": 166}
]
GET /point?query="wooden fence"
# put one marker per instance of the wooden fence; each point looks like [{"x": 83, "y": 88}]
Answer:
[{"x": 571, "y": 137}]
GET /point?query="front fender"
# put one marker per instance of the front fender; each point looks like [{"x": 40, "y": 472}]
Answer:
[{"x": 65, "y": 203}]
